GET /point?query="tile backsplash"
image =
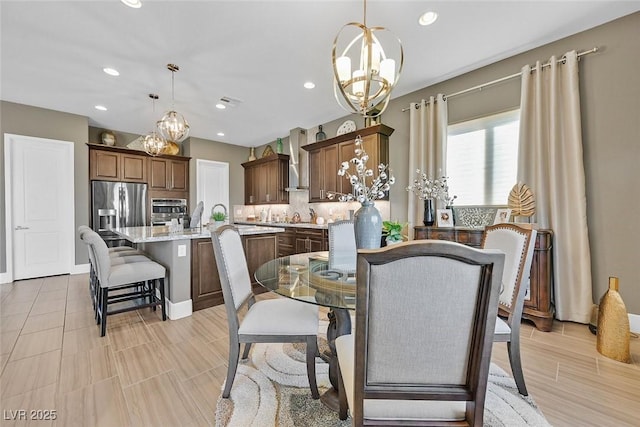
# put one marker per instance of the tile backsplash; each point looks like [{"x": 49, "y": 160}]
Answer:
[{"x": 299, "y": 202}]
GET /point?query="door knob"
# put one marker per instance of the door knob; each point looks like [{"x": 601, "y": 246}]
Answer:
[{"x": 19, "y": 227}]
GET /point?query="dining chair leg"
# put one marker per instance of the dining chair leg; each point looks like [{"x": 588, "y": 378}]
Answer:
[
  {"x": 312, "y": 348},
  {"x": 247, "y": 348},
  {"x": 163, "y": 299},
  {"x": 234, "y": 352},
  {"x": 513, "y": 348},
  {"x": 343, "y": 403}
]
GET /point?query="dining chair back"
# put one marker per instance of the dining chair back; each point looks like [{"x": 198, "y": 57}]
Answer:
[
  {"x": 518, "y": 244},
  {"x": 278, "y": 320},
  {"x": 343, "y": 251},
  {"x": 425, "y": 317}
]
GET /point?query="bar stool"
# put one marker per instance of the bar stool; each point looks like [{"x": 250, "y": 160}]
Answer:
[
  {"x": 122, "y": 255},
  {"x": 126, "y": 277}
]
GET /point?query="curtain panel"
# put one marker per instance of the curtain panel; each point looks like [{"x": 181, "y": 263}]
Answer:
[
  {"x": 550, "y": 162},
  {"x": 427, "y": 147}
]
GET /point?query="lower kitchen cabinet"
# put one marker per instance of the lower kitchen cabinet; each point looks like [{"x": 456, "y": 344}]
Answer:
[
  {"x": 206, "y": 289},
  {"x": 287, "y": 242},
  {"x": 311, "y": 240}
]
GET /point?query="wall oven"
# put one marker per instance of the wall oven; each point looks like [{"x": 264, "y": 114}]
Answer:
[{"x": 164, "y": 210}]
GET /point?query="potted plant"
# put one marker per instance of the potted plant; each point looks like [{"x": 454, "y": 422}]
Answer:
[
  {"x": 218, "y": 218},
  {"x": 392, "y": 231}
]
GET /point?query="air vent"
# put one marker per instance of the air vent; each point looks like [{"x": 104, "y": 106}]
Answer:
[{"x": 230, "y": 102}]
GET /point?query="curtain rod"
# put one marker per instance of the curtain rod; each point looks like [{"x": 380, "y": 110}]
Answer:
[{"x": 502, "y": 79}]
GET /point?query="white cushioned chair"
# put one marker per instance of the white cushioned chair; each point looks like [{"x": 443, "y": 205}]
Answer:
[
  {"x": 342, "y": 246},
  {"x": 279, "y": 320},
  {"x": 425, "y": 316},
  {"x": 518, "y": 245},
  {"x": 134, "y": 280}
]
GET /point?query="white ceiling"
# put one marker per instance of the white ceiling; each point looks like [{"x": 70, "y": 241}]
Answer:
[{"x": 260, "y": 52}]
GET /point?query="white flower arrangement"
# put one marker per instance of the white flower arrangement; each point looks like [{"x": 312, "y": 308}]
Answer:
[
  {"x": 362, "y": 191},
  {"x": 429, "y": 189}
]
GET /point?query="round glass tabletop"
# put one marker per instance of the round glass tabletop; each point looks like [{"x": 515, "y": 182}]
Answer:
[{"x": 307, "y": 277}]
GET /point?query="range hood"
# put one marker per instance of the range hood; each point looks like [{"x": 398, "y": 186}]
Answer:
[{"x": 298, "y": 161}]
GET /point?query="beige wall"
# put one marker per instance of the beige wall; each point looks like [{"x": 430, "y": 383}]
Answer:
[
  {"x": 610, "y": 99},
  {"x": 610, "y": 103},
  {"x": 235, "y": 155},
  {"x": 39, "y": 122}
]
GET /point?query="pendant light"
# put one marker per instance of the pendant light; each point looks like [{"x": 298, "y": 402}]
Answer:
[
  {"x": 173, "y": 126},
  {"x": 366, "y": 87},
  {"x": 153, "y": 143}
]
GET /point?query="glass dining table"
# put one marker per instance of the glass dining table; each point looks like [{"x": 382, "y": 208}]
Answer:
[{"x": 306, "y": 277}]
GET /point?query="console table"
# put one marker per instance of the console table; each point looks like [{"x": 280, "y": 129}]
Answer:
[{"x": 538, "y": 306}]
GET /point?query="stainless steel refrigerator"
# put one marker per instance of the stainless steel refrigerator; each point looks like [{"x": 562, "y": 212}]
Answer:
[{"x": 117, "y": 205}]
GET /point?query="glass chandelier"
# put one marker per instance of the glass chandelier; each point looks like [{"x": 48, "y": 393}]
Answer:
[
  {"x": 153, "y": 143},
  {"x": 366, "y": 87},
  {"x": 173, "y": 126}
]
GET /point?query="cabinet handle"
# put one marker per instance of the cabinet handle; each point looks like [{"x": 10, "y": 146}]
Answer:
[
  {"x": 268, "y": 198},
  {"x": 322, "y": 194},
  {"x": 250, "y": 199}
]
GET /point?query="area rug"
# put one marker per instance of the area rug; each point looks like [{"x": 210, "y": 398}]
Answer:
[{"x": 271, "y": 389}]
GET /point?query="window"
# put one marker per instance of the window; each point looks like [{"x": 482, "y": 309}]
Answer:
[{"x": 482, "y": 159}]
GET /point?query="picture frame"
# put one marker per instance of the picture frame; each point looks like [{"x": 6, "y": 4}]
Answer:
[
  {"x": 444, "y": 217},
  {"x": 502, "y": 215}
]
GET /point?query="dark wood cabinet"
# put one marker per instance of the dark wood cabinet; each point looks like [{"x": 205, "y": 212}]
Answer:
[
  {"x": 117, "y": 166},
  {"x": 259, "y": 249},
  {"x": 311, "y": 240},
  {"x": 206, "y": 290},
  {"x": 326, "y": 157},
  {"x": 538, "y": 305},
  {"x": 266, "y": 179},
  {"x": 168, "y": 174},
  {"x": 323, "y": 173},
  {"x": 287, "y": 242}
]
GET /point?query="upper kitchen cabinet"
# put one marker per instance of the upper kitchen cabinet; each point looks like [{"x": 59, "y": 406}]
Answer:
[
  {"x": 112, "y": 165},
  {"x": 323, "y": 173},
  {"x": 325, "y": 158},
  {"x": 265, "y": 180},
  {"x": 168, "y": 174}
]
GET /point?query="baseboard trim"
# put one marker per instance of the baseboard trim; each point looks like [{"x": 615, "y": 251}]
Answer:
[
  {"x": 179, "y": 310},
  {"x": 5, "y": 278},
  {"x": 80, "y": 269},
  {"x": 634, "y": 322}
]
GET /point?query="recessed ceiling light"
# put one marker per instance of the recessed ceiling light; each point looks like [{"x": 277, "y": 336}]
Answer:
[
  {"x": 427, "y": 18},
  {"x": 309, "y": 85},
  {"x": 220, "y": 133},
  {"x": 111, "y": 71},
  {"x": 220, "y": 106},
  {"x": 101, "y": 107},
  {"x": 136, "y": 4}
]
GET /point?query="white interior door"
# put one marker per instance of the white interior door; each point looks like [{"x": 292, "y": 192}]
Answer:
[
  {"x": 39, "y": 178},
  {"x": 212, "y": 185}
]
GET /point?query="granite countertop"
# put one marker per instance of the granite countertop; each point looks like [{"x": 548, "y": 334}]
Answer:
[
  {"x": 283, "y": 224},
  {"x": 161, "y": 233}
]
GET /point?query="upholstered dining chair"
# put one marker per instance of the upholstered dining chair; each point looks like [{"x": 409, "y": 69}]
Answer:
[
  {"x": 425, "y": 316},
  {"x": 342, "y": 246},
  {"x": 518, "y": 244},
  {"x": 130, "y": 281},
  {"x": 278, "y": 320}
]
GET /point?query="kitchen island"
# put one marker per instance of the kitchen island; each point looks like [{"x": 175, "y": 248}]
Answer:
[{"x": 192, "y": 277}]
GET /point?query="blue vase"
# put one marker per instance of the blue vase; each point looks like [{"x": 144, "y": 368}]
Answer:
[{"x": 368, "y": 226}]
